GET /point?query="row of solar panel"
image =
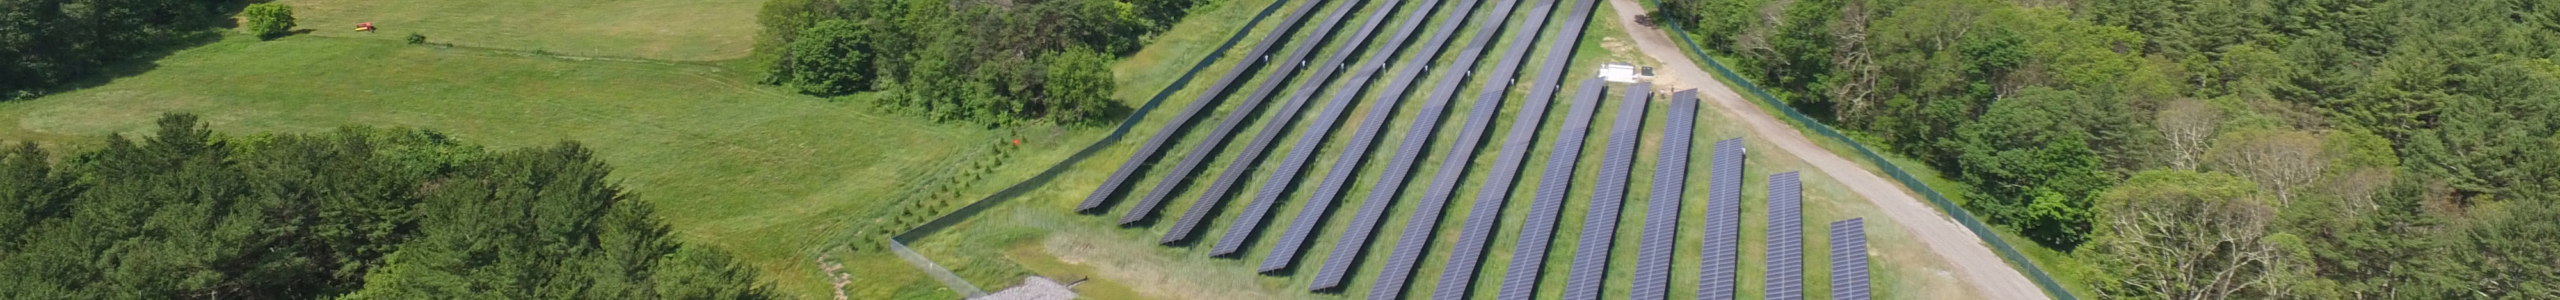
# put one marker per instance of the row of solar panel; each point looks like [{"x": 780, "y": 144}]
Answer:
[
  {"x": 1418, "y": 135},
  {"x": 1662, "y": 218},
  {"x": 1600, "y": 221},
  {"x": 1530, "y": 253},
  {"x": 1420, "y": 227},
  {"x": 1244, "y": 226},
  {"x": 1308, "y": 143},
  {"x": 1724, "y": 223},
  {"x": 1786, "y": 238},
  {"x": 1174, "y": 179},
  {"x": 1216, "y": 91},
  {"x": 1217, "y": 194},
  {"x": 1201, "y": 209},
  {"x": 1284, "y": 252}
]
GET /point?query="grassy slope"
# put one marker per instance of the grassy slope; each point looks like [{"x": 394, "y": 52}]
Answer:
[
  {"x": 770, "y": 175},
  {"x": 729, "y": 164},
  {"x": 1036, "y": 236}
]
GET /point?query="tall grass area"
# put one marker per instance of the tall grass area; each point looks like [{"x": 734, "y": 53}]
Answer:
[{"x": 1040, "y": 235}]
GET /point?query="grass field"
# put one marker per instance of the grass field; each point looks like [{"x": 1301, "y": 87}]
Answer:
[
  {"x": 1039, "y": 235},
  {"x": 695, "y": 30},
  {"x": 775, "y": 177},
  {"x": 729, "y": 164}
]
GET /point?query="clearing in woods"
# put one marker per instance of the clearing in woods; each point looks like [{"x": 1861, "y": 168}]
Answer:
[
  {"x": 1040, "y": 235},
  {"x": 778, "y": 178}
]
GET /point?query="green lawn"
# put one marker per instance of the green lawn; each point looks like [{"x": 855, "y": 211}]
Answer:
[
  {"x": 1039, "y": 236},
  {"x": 685, "y": 30}
]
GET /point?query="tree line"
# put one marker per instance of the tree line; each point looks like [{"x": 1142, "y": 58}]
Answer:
[
  {"x": 45, "y": 43},
  {"x": 984, "y": 62},
  {"x": 2204, "y": 149},
  {"x": 357, "y": 213}
]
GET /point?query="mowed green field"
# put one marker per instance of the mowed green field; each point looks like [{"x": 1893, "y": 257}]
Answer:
[
  {"x": 741, "y": 167},
  {"x": 684, "y": 30},
  {"x": 1039, "y": 234}
]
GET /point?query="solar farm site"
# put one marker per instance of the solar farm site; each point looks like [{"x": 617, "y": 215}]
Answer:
[{"x": 1435, "y": 149}]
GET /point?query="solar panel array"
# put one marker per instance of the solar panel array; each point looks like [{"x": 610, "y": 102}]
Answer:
[
  {"x": 1312, "y": 141},
  {"x": 1849, "y": 260},
  {"x": 1409, "y": 150},
  {"x": 1216, "y": 195},
  {"x": 1419, "y": 230},
  {"x": 1174, "y": 128},
  {"x": 1586, "y": 277},
  {"x": 1600, "y": 222},
  {"x": 1520, "y": 280},
  {"x": 1201, "y": 152},
  {"x": 1786, "y": 238},
  {"x": 1723, "y": 247},
  {"x": 1457, "y": 275},
  {"x": 1285, "y": 251},
  {"x": 1662, "y": 209}
]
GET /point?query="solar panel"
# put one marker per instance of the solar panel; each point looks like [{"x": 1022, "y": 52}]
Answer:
[
  {"x": 1244, "y": 161},
  {"x": 1458, "y": 273},
  {"x": 1172, "y": 129},
  {"x": 1600, "y": 222},
  {"x": 1417, "y": 138},
  {"x": 1521, "y": 283},
  {"x": 1520, "y": 280},
  {"x": 1174, "y": 179},
  {"x": 1237, "y": 232},
  {"x": 1420, "y": 228},
  {"x": 1717, "y": 267},
  {"x": 1355, "y": 239},
  {"x": 1786, "y": 238},
  {"x": 1849, "y": 260},
  {"x": 1662, "y": 209},
  {"x": 1285, "y": 252}
]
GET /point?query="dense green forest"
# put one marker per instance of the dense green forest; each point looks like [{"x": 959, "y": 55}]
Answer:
[
  {"x": 2205, "y": 149},
  {"x": 45, "y": 43},
  {"x": 357, "y": 213},
  {"x": 986, "y": 62}
]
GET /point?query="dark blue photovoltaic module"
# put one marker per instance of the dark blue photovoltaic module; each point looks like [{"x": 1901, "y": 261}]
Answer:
[{"x": 1662, "y": 208}]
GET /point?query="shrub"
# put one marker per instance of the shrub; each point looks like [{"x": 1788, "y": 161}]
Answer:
[
  {"x": 830, "y": 58},
  {"x": 267, "y": 20}
]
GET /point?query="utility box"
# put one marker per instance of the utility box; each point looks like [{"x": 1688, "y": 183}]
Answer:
[{"x": 1624, "y": 73}]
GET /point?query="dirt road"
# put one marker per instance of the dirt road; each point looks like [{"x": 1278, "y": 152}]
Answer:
[{"x": 1973, "y": 262}]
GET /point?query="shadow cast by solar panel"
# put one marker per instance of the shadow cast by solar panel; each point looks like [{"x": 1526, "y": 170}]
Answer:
[
  {"x": 1247, "y": 240},
  {"x": 1103, "y": 196},
  {"x": 1118, "y": 195},
  {"x": 1194, "y": 235}
]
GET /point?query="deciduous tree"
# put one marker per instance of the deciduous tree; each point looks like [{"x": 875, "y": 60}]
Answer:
[
  {"x": 2283, "y": 161},
  {"x": 2185, "y": 235},
  {"x": 2187, "y": 124}
]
